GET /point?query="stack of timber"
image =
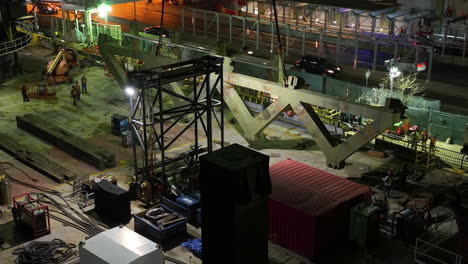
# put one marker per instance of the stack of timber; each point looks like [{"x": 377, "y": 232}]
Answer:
[
  {"x": 35, "y": 160},
  {"x": 67, "y": 141}
]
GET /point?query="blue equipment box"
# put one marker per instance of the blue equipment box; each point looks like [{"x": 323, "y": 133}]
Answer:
[
  {"x": 155, "y": 233},
  {"x": 188, "y": 202}
]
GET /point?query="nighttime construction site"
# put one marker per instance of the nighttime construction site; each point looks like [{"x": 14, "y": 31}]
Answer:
[{"x": 233, "y": 131}]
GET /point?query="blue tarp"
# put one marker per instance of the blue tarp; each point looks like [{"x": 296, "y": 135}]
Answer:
[{"x": 194, "y": 246}]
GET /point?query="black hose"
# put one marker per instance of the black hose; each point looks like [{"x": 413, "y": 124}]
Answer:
[{"x": 44, "y": 252}]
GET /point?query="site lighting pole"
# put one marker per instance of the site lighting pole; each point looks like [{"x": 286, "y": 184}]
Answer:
[
  {"x": 103, "y": 11},
  {"x": 130, "y": 91},
  {"x": 394, "y": 72}
]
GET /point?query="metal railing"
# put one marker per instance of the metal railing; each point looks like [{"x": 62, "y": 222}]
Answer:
[
  {"x": 15, "y": 45},
  {"x": 36, "y": 39},
  {"x": 455, "y": 159},
  {"x": 4, "y": 76},
  {"x": 366, "y": 50},
  {"x": 428, "y": 250},
  {"x": 115, "y": 31}
]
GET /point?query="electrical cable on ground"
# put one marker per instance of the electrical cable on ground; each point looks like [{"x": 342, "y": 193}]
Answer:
[
  {"x": 74, "y": 225},
  {"x": 85, "y": 224},
  {"x": 70, "y": 224},
  {"x": 22, "y": 171},
  {"x": 44, "y": 252}
]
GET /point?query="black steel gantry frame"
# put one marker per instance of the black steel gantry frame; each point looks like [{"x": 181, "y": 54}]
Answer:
[{"x": 149, "y": 114}]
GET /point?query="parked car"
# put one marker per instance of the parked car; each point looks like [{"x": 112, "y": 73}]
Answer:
[
  {"x": 157, "y": 31},
  {"x": 409, "y": 66},
  {"x": 173, "y": 2},
  {"x": 46, "y": 8},
  {"x": 313, "y": 64}
]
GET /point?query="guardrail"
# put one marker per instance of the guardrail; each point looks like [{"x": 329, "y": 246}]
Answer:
[
  {"x": 360, "y": 48},
  {"x": 455, "y": 159},
  {"x": 15, "y": 45},
  {"x": 427, "y": 249},
  {"x": 36, "y": 39},
  {"x": 9, "y": 74}
]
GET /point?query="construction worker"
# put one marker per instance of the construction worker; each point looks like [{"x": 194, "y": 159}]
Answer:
[
  {"x": 432, "y": 144},
  {"x": 424, "y": 138},
  {"x": 414, "y": 139},
  {"x": 75, "y": 93},
  {"x": 388, "y": 180},
  {"x": 83, "y": 84},
  {"x": 76, "y": 87},
  {"x": 24, "y": 92}
]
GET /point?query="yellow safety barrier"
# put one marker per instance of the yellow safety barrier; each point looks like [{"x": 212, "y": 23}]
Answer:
[{"x": 36, "y": 39}]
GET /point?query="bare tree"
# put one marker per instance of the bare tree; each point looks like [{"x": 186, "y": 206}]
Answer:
[{"x": 406, "y": 86}]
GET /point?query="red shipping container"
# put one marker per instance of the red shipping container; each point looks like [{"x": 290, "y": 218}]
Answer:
[{"x": 309, "y": 207}]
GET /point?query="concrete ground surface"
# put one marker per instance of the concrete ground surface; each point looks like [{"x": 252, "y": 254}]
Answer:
[{"x": 91, "y": 120}]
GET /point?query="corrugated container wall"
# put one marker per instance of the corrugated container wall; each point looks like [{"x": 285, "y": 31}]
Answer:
[{"x": 309, "y": 208}]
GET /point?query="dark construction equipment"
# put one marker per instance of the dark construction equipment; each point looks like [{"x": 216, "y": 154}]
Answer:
[
  {"x": 112, "y": 202},
  {"x": 235, "y": 184},
  {"x": 31, "y": 215},
  {"x": 67, "y": 141},
  {"x": 119, "y": 124},
  {"x": 149, "y": 114},
  {"x": 148, "y": 226},
  {"x": 34, "y": 160}
]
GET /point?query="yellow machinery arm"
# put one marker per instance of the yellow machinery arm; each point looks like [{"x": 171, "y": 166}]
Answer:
[{"x": 55, "y": 62}]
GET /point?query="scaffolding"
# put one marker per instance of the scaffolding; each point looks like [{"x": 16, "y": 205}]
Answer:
[
  {"x": 153, "y": 122},
  {"x": 425, "y": 157}
]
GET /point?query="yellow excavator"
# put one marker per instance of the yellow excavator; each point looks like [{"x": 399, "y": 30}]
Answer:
[{"x": 57, "y": 72}]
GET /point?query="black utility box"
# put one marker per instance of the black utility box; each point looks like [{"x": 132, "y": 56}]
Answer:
[
  {"x": 235, "y": 184},
  {"x": 112, "y": 202}
]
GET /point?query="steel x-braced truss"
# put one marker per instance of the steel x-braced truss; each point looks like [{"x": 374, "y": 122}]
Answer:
[
  {"x": 302, "y": 102},
  {"x": 152, "y": 119}
]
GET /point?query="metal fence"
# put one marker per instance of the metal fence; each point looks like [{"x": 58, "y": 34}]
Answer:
[
  {"x": 15, "y": 70},
  {"x": 345, "y": 47},
  {"x": 115, "y": 31},
  {"x": 14, "y": 45},
  {"x": 452, "y": 158},
  {"x": 428, "y": 250}
]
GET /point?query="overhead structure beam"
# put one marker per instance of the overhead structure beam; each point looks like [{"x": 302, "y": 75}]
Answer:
[
  {"x": 301, "y": 102},
  {"x": 382, "y": 12}
]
